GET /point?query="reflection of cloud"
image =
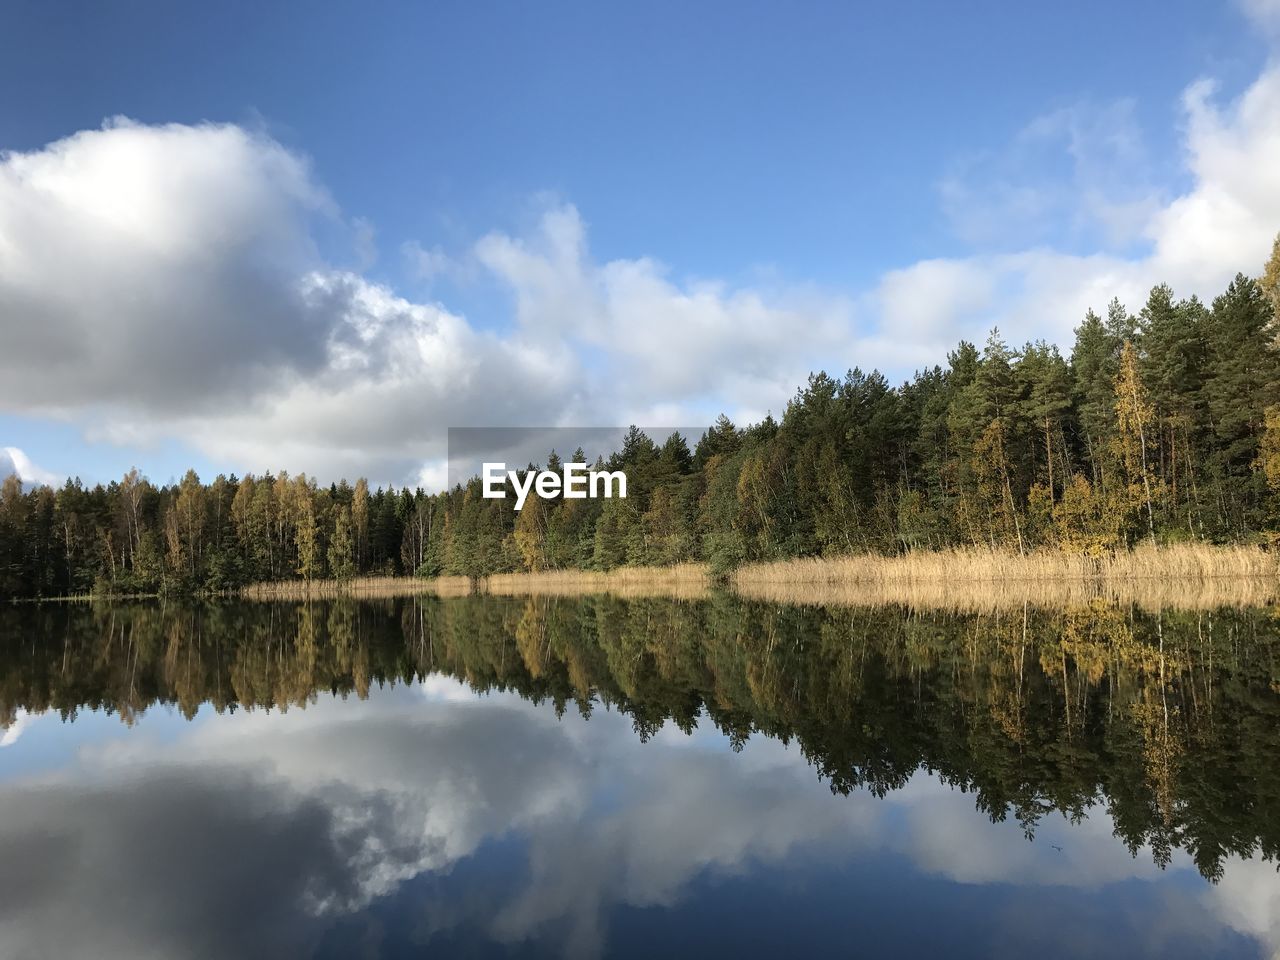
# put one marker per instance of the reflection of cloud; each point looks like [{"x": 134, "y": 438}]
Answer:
[
  {"x": 460, "y": 773},
  {"x": 950, "y": 838},
  {"x": 1248, "y": 899},
  {"x": 212, "y": 862},
  {"x": 21, "y": 721},
  {"x": 253, "y": 832},
  {"x": 440, "y": 686},
  {"x": 685, "y": 813}
]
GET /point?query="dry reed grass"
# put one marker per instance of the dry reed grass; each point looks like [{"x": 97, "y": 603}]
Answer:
[{"x": 1188, "y": 576}]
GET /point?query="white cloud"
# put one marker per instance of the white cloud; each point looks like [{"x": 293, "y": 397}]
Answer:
[
  {"x": 433, "y": 475},
  {"x": 186, "y": 299},
  {"x": 1228, "y": 221},
  {"x": 397, "y": 375},
  {"x": 162, "y": 281},
  {"x": 659, "y": 341},
  {"x": 14, "y": 461},
  {"x": 154, "y": 268},
  {"x": 442, "y": 686}
]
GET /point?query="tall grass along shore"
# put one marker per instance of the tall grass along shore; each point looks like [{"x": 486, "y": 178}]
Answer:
[{"x": 1186, "y": 575}]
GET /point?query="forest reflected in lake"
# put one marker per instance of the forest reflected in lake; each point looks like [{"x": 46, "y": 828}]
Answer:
[{"x": 548, "y": 775}]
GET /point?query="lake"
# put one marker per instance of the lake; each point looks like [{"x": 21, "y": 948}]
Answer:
[{"x": 596, "y": 776}]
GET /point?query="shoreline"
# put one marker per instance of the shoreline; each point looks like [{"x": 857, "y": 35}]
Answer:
[
  {"x": 1186, "y": 576},
  {"x": 1194, "y": 576}
]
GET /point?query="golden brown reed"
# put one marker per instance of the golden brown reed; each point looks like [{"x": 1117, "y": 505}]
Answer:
[{"x": 1188, "y": 576}]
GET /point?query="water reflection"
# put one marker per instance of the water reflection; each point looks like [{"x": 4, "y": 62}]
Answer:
[{"x": 1050, "y": 781}]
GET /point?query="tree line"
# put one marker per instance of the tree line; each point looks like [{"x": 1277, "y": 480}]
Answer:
[{"x": 1160, "y": 424}]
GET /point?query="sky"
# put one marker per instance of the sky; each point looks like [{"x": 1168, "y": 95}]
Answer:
[{"x": 316, "y": 236}]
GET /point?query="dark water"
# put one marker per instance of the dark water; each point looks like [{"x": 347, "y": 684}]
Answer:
[{"x": 508, "y": 777}]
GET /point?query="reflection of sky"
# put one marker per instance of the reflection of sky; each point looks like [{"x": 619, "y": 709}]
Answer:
[{"x": 429, "y": 815}]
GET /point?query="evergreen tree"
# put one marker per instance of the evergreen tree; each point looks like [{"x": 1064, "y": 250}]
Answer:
[
  {"x": 1094, "y": 364},
  {"x": 1241, "y": 385}
]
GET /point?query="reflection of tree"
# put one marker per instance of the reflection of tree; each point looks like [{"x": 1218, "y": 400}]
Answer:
[{"x": 1168, "y": 719}]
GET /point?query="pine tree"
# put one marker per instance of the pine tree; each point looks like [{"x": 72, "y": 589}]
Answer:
[
  {"x": 722, "y": 439},
  {"x": 1094, "y": 363},
  {"x": 1135, "y": 417},
  {"x": 1241, "y": 385},
  {"x": 1046, "y": 390},
  {"x": 1173, "y": 365}
]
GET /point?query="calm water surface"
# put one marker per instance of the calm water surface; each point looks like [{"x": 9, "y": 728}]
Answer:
[{"x": 606, "y": 777}]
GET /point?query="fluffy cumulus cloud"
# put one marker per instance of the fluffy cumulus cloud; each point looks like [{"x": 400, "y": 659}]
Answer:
[
  {"x": 153, "y": 267},
  {"x": 661, "y": 339},
  {"x": 165, "y": 281},
  {"x": 14, "y": 462},
  {"x": 8, "y": 465},
  {"x": 397, "y": 375}
]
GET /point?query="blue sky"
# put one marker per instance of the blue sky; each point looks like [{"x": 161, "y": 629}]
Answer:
[{"x": 538, "y": 171}]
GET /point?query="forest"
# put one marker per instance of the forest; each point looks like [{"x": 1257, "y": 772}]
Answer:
[{"x": 1161, "y": 424}]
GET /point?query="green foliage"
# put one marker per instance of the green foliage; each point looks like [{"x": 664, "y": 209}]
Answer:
[{"x": 342, "y": 559}]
